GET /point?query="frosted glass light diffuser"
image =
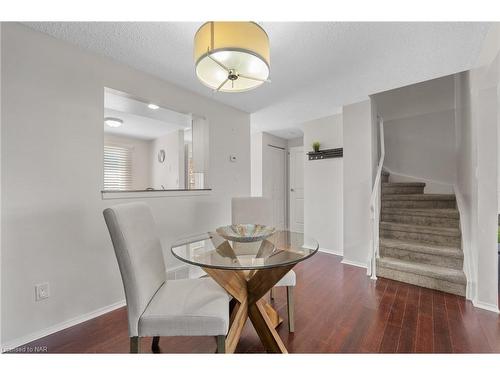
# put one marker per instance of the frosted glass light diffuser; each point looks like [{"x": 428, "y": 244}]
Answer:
[
  {"x": 231, "y": 56},
  {"x": 113, "y": 122}
]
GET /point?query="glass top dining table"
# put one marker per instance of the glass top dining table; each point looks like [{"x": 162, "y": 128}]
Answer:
[
  {"x": 210, "y": 250},
  {"x": 248, "y": 271}
]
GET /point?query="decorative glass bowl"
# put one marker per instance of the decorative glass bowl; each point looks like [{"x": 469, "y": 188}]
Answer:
[{"x": 245, "y": 232}]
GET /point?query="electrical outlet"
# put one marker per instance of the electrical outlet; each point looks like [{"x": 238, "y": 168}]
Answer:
[{"x": 42, "y": 291}]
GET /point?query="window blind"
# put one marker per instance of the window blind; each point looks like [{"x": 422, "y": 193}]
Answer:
[{"x": 117, "y": 168}]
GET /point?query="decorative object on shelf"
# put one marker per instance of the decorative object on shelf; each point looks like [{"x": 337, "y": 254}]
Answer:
[
  {"x": 326, "y": 154},
  {"x": 161, "y": 156},
  {"x": 231, "y": 56},
  {"x": 316, "y": 146},
  {"x": 245, "y": 232}
]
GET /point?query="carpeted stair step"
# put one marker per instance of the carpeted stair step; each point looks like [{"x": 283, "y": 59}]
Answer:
[
  {"x": 417, "y": 252},
  {"x": 420, "y": 238},
  {"x": 403, "y": 188},
  {"x": 418, "y": 201},
  {"x": 446, "y": 217},
  {"x": 428, "y": 276},
  {"x": 421, "y": 233}
]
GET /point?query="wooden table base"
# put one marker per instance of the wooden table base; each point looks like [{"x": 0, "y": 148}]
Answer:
[{"x": 248, "y": 288}]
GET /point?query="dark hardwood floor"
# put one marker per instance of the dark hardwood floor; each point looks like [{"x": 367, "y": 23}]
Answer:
[{"x": 338, "y": 310}]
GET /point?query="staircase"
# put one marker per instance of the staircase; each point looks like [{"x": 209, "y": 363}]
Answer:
[{"x": 420, "y": 239}]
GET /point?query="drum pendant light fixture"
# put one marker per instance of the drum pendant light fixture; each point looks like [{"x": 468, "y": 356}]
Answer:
[{"x": 231, "y": 56}]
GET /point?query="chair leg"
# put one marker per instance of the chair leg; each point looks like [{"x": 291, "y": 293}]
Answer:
[
  {"x": 271, "y": 294},
  {"x": 155, "y": 346},
  {"x": 290, "y": 308},
  {"x": 135, "y": 342},
  {"x": 221, "y": 344}
]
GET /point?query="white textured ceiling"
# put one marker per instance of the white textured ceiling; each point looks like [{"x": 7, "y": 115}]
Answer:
[
  {"x": 138, "y": 127},
  {"x": 140, "y": 121},
  {"x": 316, "y": 67}
]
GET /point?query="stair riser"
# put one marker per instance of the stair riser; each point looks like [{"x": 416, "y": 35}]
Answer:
[
  {"x": 402, "y": 190},
  {"x": 414, "y": 256},
  {"x": 384, "y": 178},
  {"x": 421, "y": 220},
  {"x": 414, "y": 263},
  {"x": 423, "y": 281},
  {"x": 418, "y": 204},
  {"x": 438, "y": 239}
]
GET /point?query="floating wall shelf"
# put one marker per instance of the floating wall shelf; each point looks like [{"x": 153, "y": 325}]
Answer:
[{"x": 326, "y": 154}]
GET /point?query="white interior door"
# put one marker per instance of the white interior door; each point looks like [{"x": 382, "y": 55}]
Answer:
[
  {"x": 296, "y": 195},
  {"x": 278, "y": 185}
]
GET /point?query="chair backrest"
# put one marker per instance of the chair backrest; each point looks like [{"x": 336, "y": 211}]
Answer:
[
  {"x": 252, "y": 210},
  {"x": 139, "y": 254}
]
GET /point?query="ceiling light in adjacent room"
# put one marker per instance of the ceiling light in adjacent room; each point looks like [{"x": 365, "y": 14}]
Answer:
[
  {"x": 113, "y": 122},
  {"x": 153, "y": 106},
  {"x": 231, "y": 56}
]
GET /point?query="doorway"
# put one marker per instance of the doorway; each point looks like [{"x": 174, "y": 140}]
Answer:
[{"x": 277, "y": 164}]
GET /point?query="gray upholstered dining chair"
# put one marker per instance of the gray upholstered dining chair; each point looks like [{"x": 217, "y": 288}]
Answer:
[
  {"x": 156, "y": 306},
  {"x": 259, "y": 210}
]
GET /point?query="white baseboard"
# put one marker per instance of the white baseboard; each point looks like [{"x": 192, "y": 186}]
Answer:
[
  {"x": 354, "y": 263},
  {"x": 180, "y": 271},
  {"x": 486, "y": 306},
  {"x": 469, "y": 291},
  {"x": 470, "y": 275},
  {"x": 329, "y": 251},
  {"x": 60, "y": 326}
]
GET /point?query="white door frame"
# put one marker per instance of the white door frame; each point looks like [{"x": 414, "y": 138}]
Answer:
[{"x": 289, "y": 178}]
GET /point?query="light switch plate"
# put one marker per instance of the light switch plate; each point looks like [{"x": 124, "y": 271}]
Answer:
[{"x": 42, "y": 291}]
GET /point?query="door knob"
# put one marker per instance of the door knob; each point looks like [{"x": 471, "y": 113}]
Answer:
[{"x": 292, "y": 189}]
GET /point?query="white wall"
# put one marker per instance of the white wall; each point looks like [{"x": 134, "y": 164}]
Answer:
[
  {"x": 484, "y": 104},
  {"x": 262, "y": 171},
  {"x": 477, "y": 112},
  {"x": 484, "y": 101},
  {"x": 323, "y": 185},
  {"x": 256, "y": 164},
  {"x": 201, "y": 151},
  {"x": 466, "y": 185},
  {"x": 170, "y": 173},
  {"x": 423, "y": 147},
  {"x": 141, "y": 158},
  {"x": 358, "y": 174},
  {"x": 489, "y": 52},
  {"x": 52, "y": 175},
  {"x": 419, "y": 128},
  {"x": 295, "y": 142}
]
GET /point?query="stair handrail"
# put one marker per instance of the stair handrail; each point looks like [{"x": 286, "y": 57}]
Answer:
[{"x": 375, "y": 203}]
